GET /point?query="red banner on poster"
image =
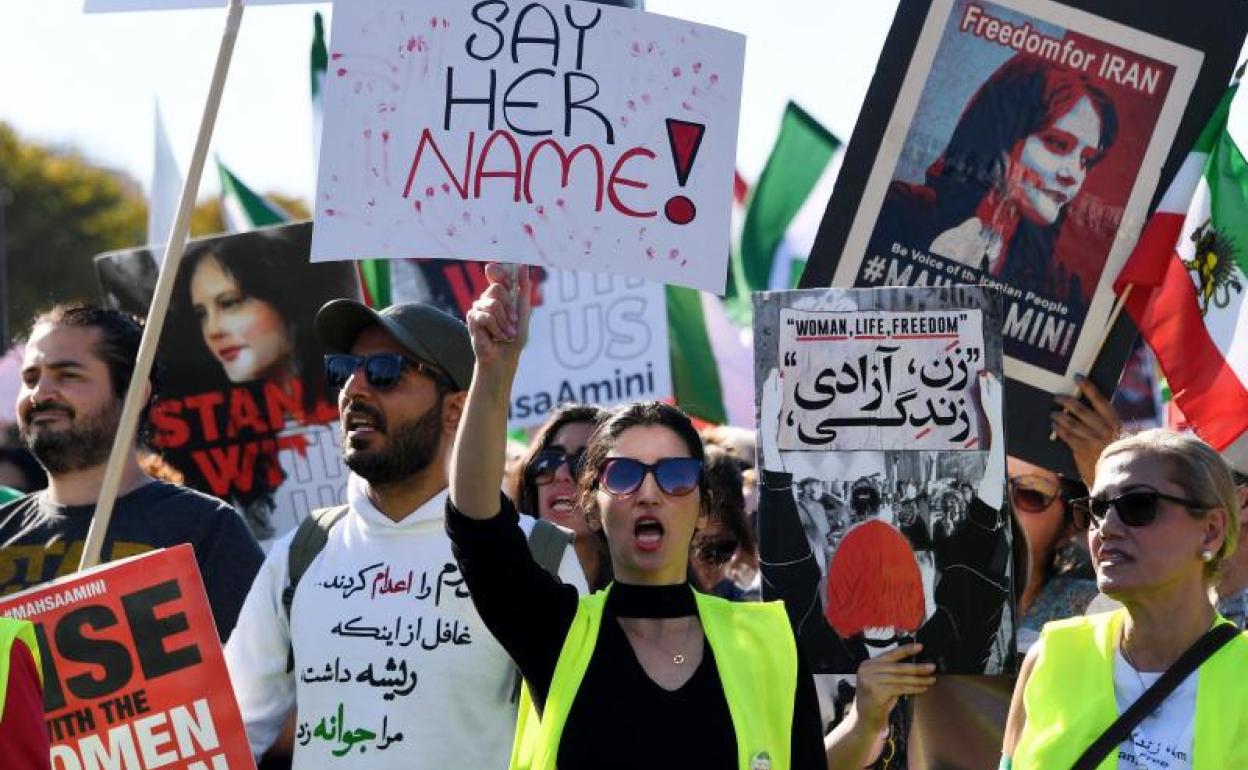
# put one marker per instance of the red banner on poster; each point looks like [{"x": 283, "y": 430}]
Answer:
[{"x": 133, "y": 674}]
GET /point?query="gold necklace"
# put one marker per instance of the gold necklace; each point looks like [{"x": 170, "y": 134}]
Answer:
[{"x": 678, "y": 657}]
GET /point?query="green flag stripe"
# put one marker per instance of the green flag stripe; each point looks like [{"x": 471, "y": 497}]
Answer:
[
  {"x": 1227, "y": 176},
  {"x": 320, "y": 56},
  {"x": 695, "y": 376},
  {"x": 801, "y": 153},
  {"x": 1215, "y": 129},
  {"x": 376, "y": 275}
]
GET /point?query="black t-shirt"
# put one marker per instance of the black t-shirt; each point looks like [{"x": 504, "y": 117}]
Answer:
[
  {"x": 620, "y": 718},
  {"x": 40, "y": 541}
]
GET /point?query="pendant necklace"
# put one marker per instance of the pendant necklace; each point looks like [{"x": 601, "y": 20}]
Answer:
[{"x": 678, "y": 657}]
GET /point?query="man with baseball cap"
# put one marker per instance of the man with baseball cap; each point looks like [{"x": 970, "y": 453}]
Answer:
[{"x": 359, "y": 620}]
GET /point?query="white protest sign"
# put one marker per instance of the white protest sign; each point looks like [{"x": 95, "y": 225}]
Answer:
[
  {"x": 594, "y": 339},
  {"x": 880, "y": 380},
  {"x": 109, "y": 6},
  {"x": 562, "y": 134}
]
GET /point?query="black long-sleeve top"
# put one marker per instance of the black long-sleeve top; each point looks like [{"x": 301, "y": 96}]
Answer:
[{"x": 620, "y": 719}]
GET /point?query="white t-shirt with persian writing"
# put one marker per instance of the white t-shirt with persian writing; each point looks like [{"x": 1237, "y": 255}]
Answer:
[
  {"x": 1163, "y": 741},
  {"x": 393, "y": 666}
]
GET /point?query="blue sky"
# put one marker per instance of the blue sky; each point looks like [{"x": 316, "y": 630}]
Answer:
[{"x": 90, "y": 81}]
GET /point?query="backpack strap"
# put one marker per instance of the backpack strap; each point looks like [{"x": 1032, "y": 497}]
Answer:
[
  {"x": 309, "y": 540},
  {"x": 547, "y": 543}
]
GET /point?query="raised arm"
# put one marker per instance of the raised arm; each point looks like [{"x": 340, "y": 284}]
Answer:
[{"x": 499, "y": 330}]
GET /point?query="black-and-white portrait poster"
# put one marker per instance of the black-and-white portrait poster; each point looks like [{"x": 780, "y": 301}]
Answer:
[
  {"x": 882, "y": 455},
  {"x": 1021, "y": 144}
]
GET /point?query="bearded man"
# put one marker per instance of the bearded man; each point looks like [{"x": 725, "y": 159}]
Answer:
[
  {"x": 77, "y": 367},
  {"x": 359, "y": 622}
]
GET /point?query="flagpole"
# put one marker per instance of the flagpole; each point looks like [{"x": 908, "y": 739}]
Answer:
[
  {"x": 1109, "y": 327},
  {"x": 123, "y": 443}
]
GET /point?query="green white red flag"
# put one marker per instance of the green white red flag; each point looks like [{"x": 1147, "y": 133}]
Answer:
[{"x": 1188, "y": 279}]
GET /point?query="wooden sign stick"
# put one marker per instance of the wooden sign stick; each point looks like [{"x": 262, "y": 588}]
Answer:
[{"x": 123, "y": 443}]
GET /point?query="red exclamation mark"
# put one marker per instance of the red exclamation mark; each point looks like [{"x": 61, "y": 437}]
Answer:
[{"x": 685, "y": 138}]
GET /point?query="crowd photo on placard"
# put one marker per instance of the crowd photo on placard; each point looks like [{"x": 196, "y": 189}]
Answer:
[{"x": 563, "y": 408}]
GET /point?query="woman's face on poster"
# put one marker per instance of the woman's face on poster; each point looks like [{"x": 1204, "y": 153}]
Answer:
[
  {"x": 1046, "y": 170},
  {"x": 245, "y": 334}
]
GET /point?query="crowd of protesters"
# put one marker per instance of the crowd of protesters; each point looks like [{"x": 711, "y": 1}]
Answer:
[{"x": 602, "y": 583}]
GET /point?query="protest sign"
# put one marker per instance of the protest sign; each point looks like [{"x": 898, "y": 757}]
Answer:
[
  {"x": 1021, "y": 144},
  {"x": 133, "y": 674},
  {"x": 565, "y": 135},
  {"x": 243, "y": 411},
  {"x": 881, "y": 514},
  {"x": 108, "y": 6},
  {"x": 857, "y": 381},
  {"x": 593, "y": 338}
]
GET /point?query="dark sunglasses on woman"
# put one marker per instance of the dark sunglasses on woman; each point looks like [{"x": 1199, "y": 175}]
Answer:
[
  {"x": 547, "y": 463},
  {"x": 382, "y": 370},
  {"x": 1032, "y": 494},
  {"x": 676, "y": 476},
  {"x": 1137, "y": 508}
]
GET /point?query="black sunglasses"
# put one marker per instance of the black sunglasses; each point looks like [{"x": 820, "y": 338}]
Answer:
[
  {"x": 676, "y": 476},
  {"x": 1137, "y": 508},
  {"x": 382, "y": 370},
  {"x": 716, "y": 552},
  {"x": 548, "y": 461},
  {"x": 1031, "y": 494}
]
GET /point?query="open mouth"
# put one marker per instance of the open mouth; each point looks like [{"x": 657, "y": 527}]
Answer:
[
  {"x": 649, "y": 533},
  {"x": 563, "y": 507},
  {"x": 360, "y": 422},
  {"x": 1112, "y": 556}
]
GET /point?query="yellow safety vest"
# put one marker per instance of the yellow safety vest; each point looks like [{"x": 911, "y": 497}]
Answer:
[
  {"x": 24, "y": 632},
  {"x": 1070, "y": 698},
  {"x": 755, "y": 654}
]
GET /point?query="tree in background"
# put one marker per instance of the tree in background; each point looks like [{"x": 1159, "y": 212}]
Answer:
[{"x": 61, "y": 211}]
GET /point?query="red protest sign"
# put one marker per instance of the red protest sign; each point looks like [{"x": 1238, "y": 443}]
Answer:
[{"x": 133, "y": 674}]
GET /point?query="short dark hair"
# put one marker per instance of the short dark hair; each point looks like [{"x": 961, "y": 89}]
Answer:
[
  {"x": 117, "y": 347},
  {"x": 727, "y": 497}
]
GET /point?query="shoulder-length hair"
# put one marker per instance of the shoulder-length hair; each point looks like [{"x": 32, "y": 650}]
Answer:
[
  {"x": 262, "y": 263},
  {"x": 1023, "y": 96},
  {"x": 520, "y": 486}
]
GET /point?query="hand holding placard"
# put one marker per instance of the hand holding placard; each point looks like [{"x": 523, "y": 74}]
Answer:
[{"x": 562, "y": 135}]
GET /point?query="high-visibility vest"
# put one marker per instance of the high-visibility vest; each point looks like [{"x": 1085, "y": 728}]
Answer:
[
  {"x": 1070, "y": 698},
  {"x": 755, "y": 654},
  {"x": 22, "y": 631}
]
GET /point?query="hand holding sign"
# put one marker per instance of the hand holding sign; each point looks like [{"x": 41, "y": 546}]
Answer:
[
  {"x": 555, "y": 134},
  {"x": 499, "y": 324}
]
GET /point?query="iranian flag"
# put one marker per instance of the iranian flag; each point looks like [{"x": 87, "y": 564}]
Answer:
[
  {"x": 1188, "y": 282},
  {"x": 712, "y": 359},
  {"x": 783, "y": 211}
]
